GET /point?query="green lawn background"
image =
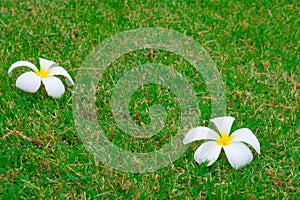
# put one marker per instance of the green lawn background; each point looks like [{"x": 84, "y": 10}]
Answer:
[{"x": 255, "y": 46}]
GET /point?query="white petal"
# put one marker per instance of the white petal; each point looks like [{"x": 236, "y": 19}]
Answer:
[
  {"x": 46, "y": 64},
  {"x": 21, "y": 63},
  {"x": 54, "y": 87},
  {"x": 246, "y": 135},
  {"x": 69, "y": 82},
  {"x": 29, "y": 82},
  {"x": 208, "y": 151},
  {"x": 61, "y": 71},
  {"x": 238, "y": 154},
  {"x": 223, "y": 124},
  {"x": 200, "y": 133}
]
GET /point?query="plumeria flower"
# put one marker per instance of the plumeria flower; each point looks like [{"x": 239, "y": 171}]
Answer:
[
  {"x": 31, "y": 81},
  {"x": 237, "y": 153}
]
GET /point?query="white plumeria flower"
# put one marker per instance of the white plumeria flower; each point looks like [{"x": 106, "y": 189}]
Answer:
[
  {"x": 31, "y": 81},
  {"x": 237, "y": 153}
]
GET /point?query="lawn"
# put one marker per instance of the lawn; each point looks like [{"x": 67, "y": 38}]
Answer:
[{"x": 255, "y": 46}]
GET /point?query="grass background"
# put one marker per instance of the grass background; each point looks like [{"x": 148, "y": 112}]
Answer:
[{"x": 255, "y": 46}]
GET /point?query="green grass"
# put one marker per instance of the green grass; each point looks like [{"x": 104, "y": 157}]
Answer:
[{"x": 255, "y": 47}]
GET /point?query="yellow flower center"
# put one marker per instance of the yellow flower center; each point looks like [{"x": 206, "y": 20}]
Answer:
[
  {"x": 42, "y": 73},
  {"x": 224, "y": 140}
]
